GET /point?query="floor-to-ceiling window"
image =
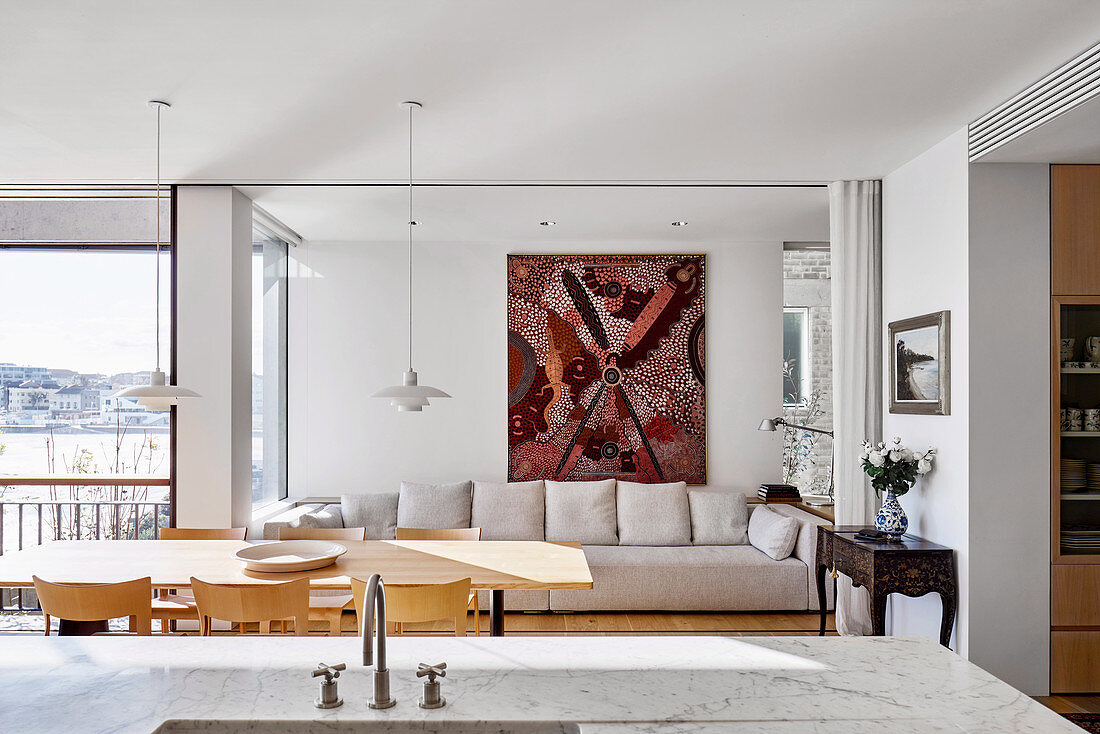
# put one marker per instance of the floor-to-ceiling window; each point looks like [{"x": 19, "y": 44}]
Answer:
[
  {"x": 269, "y": 366},
  {"x": 77, "y": 284}
]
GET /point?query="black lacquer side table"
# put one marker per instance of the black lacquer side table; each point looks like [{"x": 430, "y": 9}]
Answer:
[{"x": 912, "y": 566}]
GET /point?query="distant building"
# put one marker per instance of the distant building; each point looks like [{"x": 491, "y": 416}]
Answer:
[
  {"x": 67, "y": 402},
  {"x": 28, "y": 396},
  {"x": 9, "y": 371}
]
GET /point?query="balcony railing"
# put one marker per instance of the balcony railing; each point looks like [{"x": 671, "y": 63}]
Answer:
[{"x": 130, "y": 515}]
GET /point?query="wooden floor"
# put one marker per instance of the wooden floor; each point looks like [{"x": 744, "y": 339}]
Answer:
[
  {"x": 1071, "y": 704},
  {"x": 639, "y": 623}
]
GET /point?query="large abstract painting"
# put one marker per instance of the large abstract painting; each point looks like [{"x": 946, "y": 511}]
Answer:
[{"x": 606, "y": 368}]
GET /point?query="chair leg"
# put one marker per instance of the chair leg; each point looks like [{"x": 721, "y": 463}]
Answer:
[
  {"x": 334, "y": 618},
  {"x": 47, "y": 617},
  {"x": 460, "y": 625}
]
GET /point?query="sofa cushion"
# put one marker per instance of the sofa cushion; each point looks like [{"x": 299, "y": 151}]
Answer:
[
  {"x": 434, "y": 506},
  {"x": 329, "y": 516},
  {"x": 509, "y": 511},
  {"x": 773, "y": 533},
  {"x": 653, "y": 514},
  {"x": 686, "y": 578},
  {"x": 376, "y": 513},
  {"x": 581, "y": 512},
  {"x": 718, "y": 518}
]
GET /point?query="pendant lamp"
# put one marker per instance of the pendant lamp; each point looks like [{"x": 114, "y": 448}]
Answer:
[
  {"x": 157, "y": 395},
  {"x": 410, "y": 396}
]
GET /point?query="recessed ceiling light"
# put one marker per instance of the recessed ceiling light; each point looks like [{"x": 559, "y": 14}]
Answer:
[
  {"x": 679, "y": 223},
  {"x": 548, "y": 223}
]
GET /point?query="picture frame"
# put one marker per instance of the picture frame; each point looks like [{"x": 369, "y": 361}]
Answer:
[{"x": 920, "y": 364}]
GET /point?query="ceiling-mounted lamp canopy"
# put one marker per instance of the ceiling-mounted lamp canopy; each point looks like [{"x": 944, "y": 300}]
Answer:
[
  {"x": 410, "y": 396},
  {"x": 158, "y": 394}
]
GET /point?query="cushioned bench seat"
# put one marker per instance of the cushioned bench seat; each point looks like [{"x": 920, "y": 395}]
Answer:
[{"x": 686, "y": 578}]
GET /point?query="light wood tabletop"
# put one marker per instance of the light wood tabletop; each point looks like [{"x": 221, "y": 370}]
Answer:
[{"x": 496, "y": 565}]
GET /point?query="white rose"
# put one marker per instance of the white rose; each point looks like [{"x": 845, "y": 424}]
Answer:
[
  {"x": 876, "y": 458},
  {"x": 881, "y": 445},
  {"x": 864, "y": 454},
  {"x": 924, "y": 466},
  {"x": 897, "y": 440},
  {"x": 908, "y": 455},
  {"x": 916, "y": 455},
  {"x": 896, "y": 456}
]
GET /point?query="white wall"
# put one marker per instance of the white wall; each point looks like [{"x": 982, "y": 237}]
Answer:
[
  {"x": 214, "y": 356},
  {"x": 349, "y": 335},
  {"x": 974, "y": 239},
  {"x": 1010, "y": 422},
  {"x": 926, "y": 268}
]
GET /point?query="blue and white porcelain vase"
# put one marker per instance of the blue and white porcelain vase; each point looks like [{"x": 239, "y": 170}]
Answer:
[{"x": 891, "y": 518}]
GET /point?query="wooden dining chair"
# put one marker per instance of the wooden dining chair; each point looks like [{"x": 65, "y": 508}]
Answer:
[
  {"x": 261, "y": 603},
  {"x": 415, "y": 603},
  {"x": 327, "y": 606},
  {"x": 448, "y": 534},
  {"x": 172, "y": 604},
  {"x": 98, "y": 602}
]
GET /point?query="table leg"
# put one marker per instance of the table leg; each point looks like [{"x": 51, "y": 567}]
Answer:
[
  {"x": 947, "y": 621},
  {"x": 821, "y": 603},
  {"x": 878, "y": 611},
  {"x": 496, "y": 613}
]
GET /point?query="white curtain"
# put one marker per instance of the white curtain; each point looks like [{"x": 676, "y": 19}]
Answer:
[{"x": 855, "y": 235}]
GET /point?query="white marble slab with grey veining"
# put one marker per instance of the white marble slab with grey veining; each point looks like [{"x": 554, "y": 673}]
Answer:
[{"x": 607, "y": 685}]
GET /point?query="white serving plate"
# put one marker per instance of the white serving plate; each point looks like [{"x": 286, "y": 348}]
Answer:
[{"x": 290, "y": 555}]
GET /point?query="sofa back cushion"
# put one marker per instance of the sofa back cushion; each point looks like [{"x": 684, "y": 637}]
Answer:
[
  {"x": 581, "y": 512},
  {"x": 376, "y": 513},
  {"x": 509, "y": 511},
  {"x": 328, "y": 516},
  {"x": 653, "y": 514},
  {"x": 434, "y": 506},
  {"x": 773, "y": 533},
  {"x": 718, "y": 518}
]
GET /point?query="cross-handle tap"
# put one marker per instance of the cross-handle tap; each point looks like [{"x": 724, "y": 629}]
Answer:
[
  {"x": 374, "y": 623},
  {"x": 328, "y": 698},
  {"x": 431, "y": 698}
]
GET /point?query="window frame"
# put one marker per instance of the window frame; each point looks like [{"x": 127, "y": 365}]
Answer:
[{"x": 806, "y": 364}]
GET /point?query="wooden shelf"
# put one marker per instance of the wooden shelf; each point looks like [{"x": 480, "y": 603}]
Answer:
[
  {"x": 1081, "y": 370},
  {"x": 1080, "y": 434},
  {"x": 1095, "y": 496}
]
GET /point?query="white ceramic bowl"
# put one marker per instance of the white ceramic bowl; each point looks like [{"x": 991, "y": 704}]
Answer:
[{"x": 290, "y": 555}]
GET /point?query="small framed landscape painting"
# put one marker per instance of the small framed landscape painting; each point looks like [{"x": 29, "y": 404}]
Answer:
[{"x": 920, "y": 364}]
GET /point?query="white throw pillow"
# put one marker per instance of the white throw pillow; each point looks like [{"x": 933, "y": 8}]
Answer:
[
  {"x": 509, "y": 511},
  {"x": 581, "y": 512},
  {"x": 718, "y": 518},
  {"x": 434, "y": 506},
  {"x": 772, "y": 533},
  {"x": 653, "y": 514},
  {"x": 328, "y": 516},
  {"x": 375, "y": 513}
]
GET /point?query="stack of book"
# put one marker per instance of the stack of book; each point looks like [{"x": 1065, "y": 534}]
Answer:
[{"x": 779, "y": 493}]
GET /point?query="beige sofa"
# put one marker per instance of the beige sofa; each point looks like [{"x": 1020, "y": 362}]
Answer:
[{"x": 640, "y": 540}]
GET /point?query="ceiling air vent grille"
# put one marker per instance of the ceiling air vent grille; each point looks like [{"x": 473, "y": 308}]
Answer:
[{"x": 1068, "y": 86}]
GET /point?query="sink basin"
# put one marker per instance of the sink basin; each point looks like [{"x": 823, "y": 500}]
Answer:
[{"x": 228, "y": 726}]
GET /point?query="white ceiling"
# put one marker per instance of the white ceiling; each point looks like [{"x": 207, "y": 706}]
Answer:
[
  {"x": 480, "y": 214},
  {"x": 569, "y": 90}
]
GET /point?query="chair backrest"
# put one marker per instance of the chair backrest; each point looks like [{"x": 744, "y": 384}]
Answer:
[
  {"x": 94, "y": 602},
  {"x": 263, "y": 603},
  {"x": 202, "y": 533},
  {"x": 420, "y": 602},
  {"x": 439, "y": 534},
  {"x": 322, "y": 533}
]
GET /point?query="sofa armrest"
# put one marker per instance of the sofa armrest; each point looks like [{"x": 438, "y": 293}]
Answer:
[
  {"x": 286, "y": 519},
  {"x": 805, "y": 549}
]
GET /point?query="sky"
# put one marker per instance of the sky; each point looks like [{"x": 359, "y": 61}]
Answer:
[{"x": 88, "y": 311}]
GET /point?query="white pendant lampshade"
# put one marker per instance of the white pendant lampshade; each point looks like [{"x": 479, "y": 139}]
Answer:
[
  {"x": 158, "y": 394},
  {"x": 410, "y": 396}
]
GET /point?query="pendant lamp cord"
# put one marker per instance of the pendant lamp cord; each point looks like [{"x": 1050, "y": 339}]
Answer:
[
  {"x": 157, "y": 290},
  {"x": 412, "y": 223}
]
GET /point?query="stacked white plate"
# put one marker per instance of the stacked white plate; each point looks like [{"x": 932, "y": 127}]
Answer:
[
  {"x": 1081, "y": 538},
  {"x": 1073, "y": 475},
  {"x": 290, "y": 555},
  {"x": 1093, "y": 477}
]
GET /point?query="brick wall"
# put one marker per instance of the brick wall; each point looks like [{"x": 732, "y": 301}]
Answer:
[{"x": 806, "y": 282}]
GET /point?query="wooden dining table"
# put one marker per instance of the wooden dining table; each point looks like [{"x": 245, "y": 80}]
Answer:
[{"x": 494, "y": 566}]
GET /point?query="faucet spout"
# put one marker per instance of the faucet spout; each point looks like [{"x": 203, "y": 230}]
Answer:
[{"x": 374, "y": 625}]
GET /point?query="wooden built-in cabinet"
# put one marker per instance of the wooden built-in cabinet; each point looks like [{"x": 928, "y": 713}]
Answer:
[
  {"x": 1075, "y": 509},
  {"x": 1075, "y": 230}
]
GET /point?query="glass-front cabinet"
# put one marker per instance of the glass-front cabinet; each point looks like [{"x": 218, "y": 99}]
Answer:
[{"x": 1076, "y": 429}]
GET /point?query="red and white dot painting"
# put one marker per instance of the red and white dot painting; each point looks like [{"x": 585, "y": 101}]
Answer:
[{"x": 606, "y": 368}]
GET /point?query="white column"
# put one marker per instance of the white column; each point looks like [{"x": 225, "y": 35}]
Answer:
[{"x": 214, "y": 356}]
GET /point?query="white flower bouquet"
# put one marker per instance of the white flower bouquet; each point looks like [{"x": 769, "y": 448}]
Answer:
[{"x": 894, "y": 467}]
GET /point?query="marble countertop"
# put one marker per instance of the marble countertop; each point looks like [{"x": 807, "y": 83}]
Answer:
[{"x": 609, "y": 685}]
